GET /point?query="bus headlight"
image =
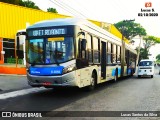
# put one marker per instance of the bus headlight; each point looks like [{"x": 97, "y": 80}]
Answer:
[{"x": 69, "y": 69}]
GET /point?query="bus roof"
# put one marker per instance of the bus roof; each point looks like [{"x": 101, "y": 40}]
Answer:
[
  {"x": 82, "y": 23},
  {"x": 70, "y": 21}
]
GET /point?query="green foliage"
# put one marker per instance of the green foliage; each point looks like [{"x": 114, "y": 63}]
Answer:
[
  {"x": 158, "y": 57},
  {"x": 25, "y": 3},
  {"x": 130, "y": 29},
  {"x": 28, "y": 4},
  {"x": 13, "y": 60},
  {"x": 150, "y": 41},
  {"x": 15, "y": 2},
  {"x": 144, "y": 53},
  {"x": 53, "y": 10}
]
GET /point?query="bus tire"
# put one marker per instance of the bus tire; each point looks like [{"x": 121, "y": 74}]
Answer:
[
  {"x": 132, "y": 72},
  {"x": 151, "y": 76},
  {"x": 139, "y": 76},
  {"x": 93, "y": 82}
]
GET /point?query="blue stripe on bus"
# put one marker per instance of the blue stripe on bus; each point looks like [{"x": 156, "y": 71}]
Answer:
[
  {"x": 57, "y": 70},
  {"x": 114, "y": 70},
  {"x": 129, "y": 71}
]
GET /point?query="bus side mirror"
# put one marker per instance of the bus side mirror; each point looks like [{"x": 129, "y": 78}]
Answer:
[{"x": 83, "y": 44}]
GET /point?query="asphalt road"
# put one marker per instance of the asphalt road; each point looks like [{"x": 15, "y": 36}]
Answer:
[{"x": 129, "y": 94}]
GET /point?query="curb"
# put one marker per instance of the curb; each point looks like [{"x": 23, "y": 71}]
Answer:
[{"x": 11, "y": 75}]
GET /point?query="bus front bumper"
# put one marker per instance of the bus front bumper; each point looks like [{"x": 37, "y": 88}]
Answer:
[{"x": 52, "y": 81}]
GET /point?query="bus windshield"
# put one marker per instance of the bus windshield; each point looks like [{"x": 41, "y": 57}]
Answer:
[
  {"x": 50, "y": 51},
  {"x": 146, "y": 63}
]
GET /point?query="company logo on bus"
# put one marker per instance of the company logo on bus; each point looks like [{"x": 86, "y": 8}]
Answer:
[{"x": 33, "y": 72}]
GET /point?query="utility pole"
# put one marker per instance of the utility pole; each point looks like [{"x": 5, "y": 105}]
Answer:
[
  {"x": 138, "y": 50},
  {"x": 123, "y": 48}
]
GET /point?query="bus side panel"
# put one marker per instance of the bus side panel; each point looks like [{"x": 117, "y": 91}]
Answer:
[
  {"x": 125, "y": 71},
  {"x": 83, "y": 76}
]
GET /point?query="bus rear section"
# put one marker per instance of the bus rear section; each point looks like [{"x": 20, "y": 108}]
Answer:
[{"x": 146, "y": 68}]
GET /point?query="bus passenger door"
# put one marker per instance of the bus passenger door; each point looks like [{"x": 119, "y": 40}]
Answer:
[{"x": 103, "y": 60}]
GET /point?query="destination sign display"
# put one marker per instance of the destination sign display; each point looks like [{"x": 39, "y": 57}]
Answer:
[{"x": 47, "y": 32}]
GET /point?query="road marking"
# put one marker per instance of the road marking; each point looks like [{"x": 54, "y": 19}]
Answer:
[{"x": 20, "y": 92}]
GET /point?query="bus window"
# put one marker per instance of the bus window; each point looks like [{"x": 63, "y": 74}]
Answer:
[
  {"x": 127, "y": 57},
  {"x": 89, "y": 46},
  {"x": 109, "y": 53},
  {"x": 96, "y": 49},
  {"x": 114, "y": 53},
  {"x": 118, "y": 54},
  {"x": 35, "y": 49}
]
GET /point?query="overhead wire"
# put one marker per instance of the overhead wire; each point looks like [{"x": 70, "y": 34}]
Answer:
[
  {"x": 68, "y": 8},
  {"x": 63, "y": 8},
  {"x": 82, "y": 7},
  {"x": 71, "y": 8}
]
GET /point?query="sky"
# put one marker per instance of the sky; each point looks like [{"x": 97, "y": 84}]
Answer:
[{"x": 110, "y": 11}]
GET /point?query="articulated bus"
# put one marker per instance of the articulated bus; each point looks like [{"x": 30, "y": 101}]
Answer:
[{"x": 74, "y": 52}]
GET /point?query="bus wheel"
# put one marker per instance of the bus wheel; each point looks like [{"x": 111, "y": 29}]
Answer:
[
  {"x": 93, "y": 82},
  {"x": 131, "y": 72},
  {"x": 151, "y": 76}
]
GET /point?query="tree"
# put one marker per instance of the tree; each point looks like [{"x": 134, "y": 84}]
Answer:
[
  {"x": 27, "y": 3},
  {"x": 53, "y": 10},
  {"x": 130, "y": 29},
  {"x": 144, "y": 53},
  {"x": 158, "y": 57},
  {"x": 15, "y": 2},
  {"x": 149, "y": 41}
]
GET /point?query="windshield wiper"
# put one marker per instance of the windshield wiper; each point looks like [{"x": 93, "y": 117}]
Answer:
[{"x": 33, "y": 64}]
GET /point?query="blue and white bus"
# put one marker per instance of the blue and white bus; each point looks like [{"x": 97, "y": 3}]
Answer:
[{"x": 74, "y": 52}]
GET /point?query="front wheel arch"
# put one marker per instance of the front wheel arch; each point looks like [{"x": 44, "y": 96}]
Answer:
[{"x": 94, "y": 82}]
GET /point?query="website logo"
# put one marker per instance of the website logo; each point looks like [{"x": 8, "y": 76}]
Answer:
[
  {"x": 148, "y": 4},
  {"x": 6, "y": 114}
]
